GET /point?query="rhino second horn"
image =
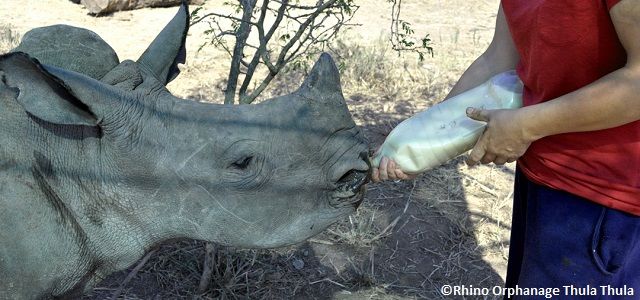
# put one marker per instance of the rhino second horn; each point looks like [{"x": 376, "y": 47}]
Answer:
[{"x": 323, "y": 81}]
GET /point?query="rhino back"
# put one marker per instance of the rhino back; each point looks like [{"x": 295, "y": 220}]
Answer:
[{"x": 72, "y": 48}]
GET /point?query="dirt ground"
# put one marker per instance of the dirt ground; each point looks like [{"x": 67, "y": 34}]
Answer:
[{"x": 450, "y": 226}]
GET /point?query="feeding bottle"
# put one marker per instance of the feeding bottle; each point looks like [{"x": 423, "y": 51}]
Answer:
[{"x": 442, "y": 132}]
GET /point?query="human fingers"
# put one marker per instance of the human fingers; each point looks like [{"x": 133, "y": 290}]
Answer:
[
  {"x": 375, "y": 175},
  {"x": 384, "y": 164},
  {"x": 403, "y": 176},
  {"x": 399, "y": 174},
  {"x": 476, "y": 154},
  {"x": 501, "y": 160},
  {"x": 478, "y": 114},
  {"x": 488, "y": 158},
  {"x": 392, "y": 170}
]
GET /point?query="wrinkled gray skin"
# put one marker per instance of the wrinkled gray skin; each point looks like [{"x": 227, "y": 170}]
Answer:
[{"x": 93, "y": 173}]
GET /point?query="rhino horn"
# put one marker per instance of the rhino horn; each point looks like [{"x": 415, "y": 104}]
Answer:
[
  {"x": 167, "y": 50},
  {"x": 323, "y": 82},
  {"x": 55, "y": 95}
]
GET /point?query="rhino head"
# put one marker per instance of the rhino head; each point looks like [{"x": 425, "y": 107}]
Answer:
[{"x": 113, "y": 164}]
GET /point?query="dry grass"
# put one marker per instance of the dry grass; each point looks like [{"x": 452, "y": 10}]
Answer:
[{"x": 9, "y": 38}]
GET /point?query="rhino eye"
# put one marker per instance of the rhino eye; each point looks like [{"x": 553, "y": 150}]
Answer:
[{"x": 242, "y": 163}]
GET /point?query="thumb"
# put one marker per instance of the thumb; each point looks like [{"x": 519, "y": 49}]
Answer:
[{"x": 478, "y": 114}]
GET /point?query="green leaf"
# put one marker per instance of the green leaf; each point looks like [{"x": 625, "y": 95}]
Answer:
[
  {"x": 195, "y": 12},
  {"x": 285, "y": 37}
]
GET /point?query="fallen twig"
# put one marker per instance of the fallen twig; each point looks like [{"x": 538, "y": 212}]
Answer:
[
  {"x": 482, "y": 186},
  {"x": 132, "y": 274},
  {"x": 328, "y": 280},
  {"x": 320, "y": 242},
  {"x": 207, "y": 269}
]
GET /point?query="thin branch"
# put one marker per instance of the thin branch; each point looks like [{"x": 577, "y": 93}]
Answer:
[
  {"x": 303, "y": 7},
  {"x": 264, "y": 39},
  {"x": 263, "y": 85},
  {"x": 224, "y": 33},
  {"x": 133, "y": 273},
  {"x": 230, "y": 17},
  {"x": 261, "y": 52},
  {"x": 300, "y": 31},
  {"x": 292, "y": 17},
  {"x": 280, "y": 62},
  {"x": 309, "y": 36},
  {"x": 219, "y": 41},
  {"x": 321, "y": 38},
  {"x": 402, "y": 39}
]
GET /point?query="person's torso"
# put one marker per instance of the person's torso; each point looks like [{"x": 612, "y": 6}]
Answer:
[{"x": 563, "y": 46}]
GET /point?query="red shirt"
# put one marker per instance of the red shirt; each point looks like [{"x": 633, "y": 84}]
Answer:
[{"x": 563, "y": 46}]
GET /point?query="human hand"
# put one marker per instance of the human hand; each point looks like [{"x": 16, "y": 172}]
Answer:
[
  {"x": 388, "y": 169},
  {"x": 504, "y": 138}
]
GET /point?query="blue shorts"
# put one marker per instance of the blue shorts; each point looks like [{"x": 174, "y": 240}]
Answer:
[{"x": 565, "y": 241}]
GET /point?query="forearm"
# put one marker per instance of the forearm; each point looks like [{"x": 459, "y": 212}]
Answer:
[
  {"x": 609, "y": 102},
  {"x": 500, "y": 56},
  {"x": 478, "y": 72}
]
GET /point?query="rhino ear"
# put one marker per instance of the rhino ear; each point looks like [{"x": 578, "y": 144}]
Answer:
[
  {"x": 56, "y": 95},
  {"x": 168, "y": 50},
  {"x": 323, "y": 80},
  {"x": 41, "y": 94}
]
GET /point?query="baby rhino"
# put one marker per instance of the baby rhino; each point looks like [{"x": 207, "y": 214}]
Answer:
[{"x": 99, "y": 162}]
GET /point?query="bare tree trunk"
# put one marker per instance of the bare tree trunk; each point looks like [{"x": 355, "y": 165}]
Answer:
[
  {"x": 107, "y": 6},
  {"x": 238, "y": 51}
]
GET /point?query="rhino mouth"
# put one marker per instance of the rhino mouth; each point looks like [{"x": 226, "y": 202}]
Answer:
[
  {"x": 352, "y": 186},
  {"x": 348, "y": 198},
  {"x": 351, "y": 189}
]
